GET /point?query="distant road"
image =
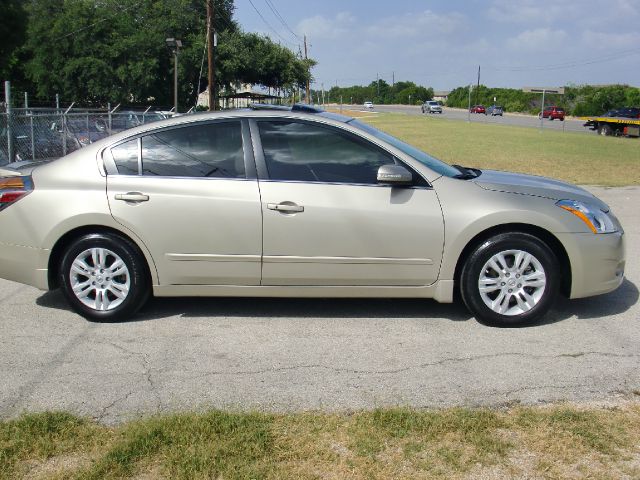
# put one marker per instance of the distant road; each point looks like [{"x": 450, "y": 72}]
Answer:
[{"x": 520, "y": 120}]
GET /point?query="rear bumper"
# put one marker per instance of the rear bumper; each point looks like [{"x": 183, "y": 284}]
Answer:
[
  {"x": 597, "y": 262},
  {"x": 26, "y": 265}
]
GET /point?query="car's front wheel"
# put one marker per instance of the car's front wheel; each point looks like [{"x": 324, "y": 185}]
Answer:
[
  {"x": 103, "y": 277},
  {"x": 510, "y": 279}
]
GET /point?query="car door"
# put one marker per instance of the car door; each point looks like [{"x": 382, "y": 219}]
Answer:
[
  {"x": 326, "y": 220},
  {"x": 190, "y": 194}
]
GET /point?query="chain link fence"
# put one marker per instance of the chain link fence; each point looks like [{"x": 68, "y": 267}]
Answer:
[{"x": 30, "y": 134}]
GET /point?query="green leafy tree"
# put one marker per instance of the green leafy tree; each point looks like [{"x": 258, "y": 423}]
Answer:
[
  {"x": 114, "y": 50},
  {"x": 12, "y": 28}
]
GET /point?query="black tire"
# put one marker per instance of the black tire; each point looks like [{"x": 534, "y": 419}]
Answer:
[
  {"x": 138, "y": 288},
  {"x": 605, "y": 130},
  {"x": 473, "y": 267}
]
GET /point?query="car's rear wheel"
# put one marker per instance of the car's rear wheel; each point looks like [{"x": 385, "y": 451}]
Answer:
[
  {"x": 103, "y": 277},
  {"x": 510, "y": 279}
]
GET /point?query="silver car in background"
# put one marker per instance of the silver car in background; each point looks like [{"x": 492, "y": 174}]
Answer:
[
  {"x": 297, "y": 203},
  {"x": 431, "y": 106}
]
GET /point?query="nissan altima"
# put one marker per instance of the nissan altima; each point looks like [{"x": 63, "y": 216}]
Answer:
[{"x": 297, "y": 202}]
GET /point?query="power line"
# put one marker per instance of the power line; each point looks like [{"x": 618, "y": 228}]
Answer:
[
  {"x": 102, "y": 20},
  {"x": 269, "y": 25},
  {"x": 574, "y": 63},
  {"x": 279, "y": 17}
]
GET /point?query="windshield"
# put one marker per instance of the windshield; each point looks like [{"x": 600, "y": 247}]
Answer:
[{"x": 433, "y": 163}]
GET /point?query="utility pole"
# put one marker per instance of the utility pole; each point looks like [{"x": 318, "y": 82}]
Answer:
[
  {"x": 308, "y": 95},
  {"x": 478, "y": 86},
  {"x": 378, "y": 83},
  {"x": 469, "y": 108},
  {"x": 210, "y": 73},
  {"x": 393, "y": 79}
]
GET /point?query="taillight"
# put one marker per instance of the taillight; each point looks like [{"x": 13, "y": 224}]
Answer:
[{"x": 13, "y": 189}]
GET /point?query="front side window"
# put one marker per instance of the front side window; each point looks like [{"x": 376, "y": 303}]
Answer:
[
  {"x": 301, "y": 151},
  {"x": 206, "y": 150}
]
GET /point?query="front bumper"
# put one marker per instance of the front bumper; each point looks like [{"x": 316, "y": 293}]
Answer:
[
  {"x": 26, "y": 265},
  {"x": 597, "y": 262}
]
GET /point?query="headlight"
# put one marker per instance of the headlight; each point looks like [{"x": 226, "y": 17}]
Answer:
[{"x": 596, "y": 219}]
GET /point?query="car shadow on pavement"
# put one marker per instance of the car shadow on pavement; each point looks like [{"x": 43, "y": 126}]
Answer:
[
  {"x": 198, "y": 307},
  {"x": 613, "y": 303},
  {"x": 591, "y": 308}
]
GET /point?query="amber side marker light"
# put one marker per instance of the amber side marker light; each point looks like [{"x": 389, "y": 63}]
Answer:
[{"x": 581, "y": 216}]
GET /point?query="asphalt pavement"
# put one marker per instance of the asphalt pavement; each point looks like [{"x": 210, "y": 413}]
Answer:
[
  {"x": 457, "y": 114},
  {"x": 335, "y": 355}
]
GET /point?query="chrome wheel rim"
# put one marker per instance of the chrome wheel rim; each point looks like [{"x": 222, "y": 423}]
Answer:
[
  {"x": 512, "y": 282},
  {"x": 100, "y": 279}
]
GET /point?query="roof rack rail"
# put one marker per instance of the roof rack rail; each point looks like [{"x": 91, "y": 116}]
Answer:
[
  {"x": 303, "y": 107},
  {"x": 297, "y": 107},
  {"x": 268, "y": 106}
]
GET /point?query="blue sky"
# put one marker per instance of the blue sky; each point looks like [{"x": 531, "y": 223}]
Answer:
[{"x": 441, "y": 43}]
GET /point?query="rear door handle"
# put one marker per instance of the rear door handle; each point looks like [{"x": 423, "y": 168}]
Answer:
[
  {"x": 285, "y": 207},
  {"x": 132, "y": 197}
]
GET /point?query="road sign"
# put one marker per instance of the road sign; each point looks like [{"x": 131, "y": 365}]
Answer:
[
  {"x": 543, "y": 91},
  {"x": 558, "y": 90}
]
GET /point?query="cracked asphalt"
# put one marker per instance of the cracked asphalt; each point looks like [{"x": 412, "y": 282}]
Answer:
[{"x": 294, "y": 354}]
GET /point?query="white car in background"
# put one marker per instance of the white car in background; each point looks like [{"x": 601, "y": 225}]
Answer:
[
  {"x": 368, "y": 105},
  {"x": 431, "y": 106}
]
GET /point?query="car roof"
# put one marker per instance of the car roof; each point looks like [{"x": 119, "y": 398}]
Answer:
[{"x": 312, "y": 113}]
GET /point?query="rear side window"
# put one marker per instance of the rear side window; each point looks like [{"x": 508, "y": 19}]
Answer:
[
  {"x": 209, "y": 150},
  {"x": 125, "y": 157}
]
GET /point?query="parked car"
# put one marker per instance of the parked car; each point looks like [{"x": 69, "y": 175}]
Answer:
[
  {"x": 280, "y": 204},
  {"x": 124, "y": 120},
  {"x": 477, "y": 109},
  {"x": 368, "y": 105},
  {"x": 494, "y": 110},
  {"x": 45, "y": 145},
  {"x": 553, "y": 113},
  {"x": 431, "y": 106},
  {"x": 624, "y": 112},
  {"x": 81, "y": 130}
]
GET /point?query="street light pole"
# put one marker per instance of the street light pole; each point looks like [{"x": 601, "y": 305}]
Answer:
[
  {"x": 210, "y": 44},
  {"x": 175, "y": 45}
]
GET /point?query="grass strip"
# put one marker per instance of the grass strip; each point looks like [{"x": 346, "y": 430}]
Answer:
[
  {"x": 574, "y": 157},
  {"x": 559, "y": 441}
]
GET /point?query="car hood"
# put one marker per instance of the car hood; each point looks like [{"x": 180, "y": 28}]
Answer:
[{"x": 536, "y": 186}]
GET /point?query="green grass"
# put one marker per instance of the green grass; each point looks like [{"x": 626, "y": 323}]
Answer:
[
  {"x": 544, "y": 442},
  {"x": 586, "y": 159}
]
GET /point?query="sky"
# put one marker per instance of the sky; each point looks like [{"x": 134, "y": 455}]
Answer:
[{"x": 441, "y": 43}]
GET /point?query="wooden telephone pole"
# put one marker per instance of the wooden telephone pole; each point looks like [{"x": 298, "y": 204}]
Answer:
[
  {"x": 305, "y": 57},
  {"x": 210, "y": 73}
]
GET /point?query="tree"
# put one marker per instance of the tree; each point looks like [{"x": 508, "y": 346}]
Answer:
[
  {"x": 12, "y": 29},
  {"x": 114, "y": 50}
]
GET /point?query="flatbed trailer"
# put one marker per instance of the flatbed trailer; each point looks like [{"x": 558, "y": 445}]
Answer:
[{"x": 619, "y": 126}]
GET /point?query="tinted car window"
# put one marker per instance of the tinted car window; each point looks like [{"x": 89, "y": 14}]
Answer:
[
  {"x": 125, "y": 157},
  {"x": 209, "y": 150},
  {"x": 304, "y": 152}
]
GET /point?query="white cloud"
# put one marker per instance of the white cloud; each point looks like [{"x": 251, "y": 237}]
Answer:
[
  {"x": 426, "y": 23},
  {"x": 607, "y": 41},
  {"x": 539, "y": 39},
  {"x": 530, "y": 12},
  {"x": 321, "y": 27}
]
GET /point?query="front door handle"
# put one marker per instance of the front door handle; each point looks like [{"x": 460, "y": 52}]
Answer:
[
  {"x": 132, "y": 197},
  {"x": 285, "y": 207}
]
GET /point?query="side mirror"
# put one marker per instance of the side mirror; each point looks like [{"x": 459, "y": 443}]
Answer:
[{"x": 394, "y": 175}]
